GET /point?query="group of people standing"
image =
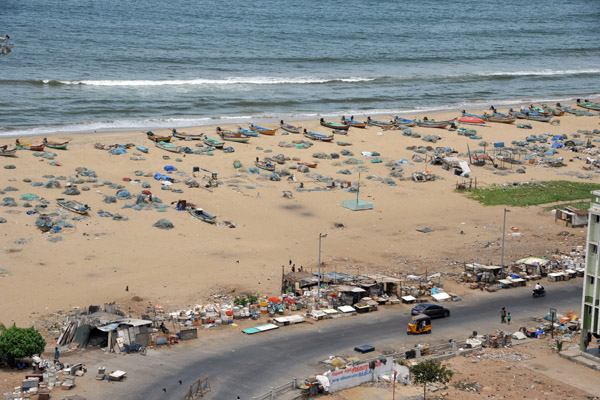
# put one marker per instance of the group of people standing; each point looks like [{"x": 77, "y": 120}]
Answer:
[{"x": 504, "y": 316}]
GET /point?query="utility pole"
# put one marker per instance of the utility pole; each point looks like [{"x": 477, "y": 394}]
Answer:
[
  {"x": 321, "y": 236},
  {"x": 503, "y": 235}
]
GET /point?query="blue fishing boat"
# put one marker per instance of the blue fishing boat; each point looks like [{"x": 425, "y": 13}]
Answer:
[{"x": 142, "y": 149}]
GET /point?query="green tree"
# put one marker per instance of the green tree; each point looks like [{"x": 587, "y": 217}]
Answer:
[
  {"x": 20, "y": 342},
  {"x": 430, "y": 371}
]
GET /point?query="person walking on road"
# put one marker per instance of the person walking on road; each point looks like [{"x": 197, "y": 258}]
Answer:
[
  {"x": 508, "y": 318},
  {"x": 503, "y": 315}
]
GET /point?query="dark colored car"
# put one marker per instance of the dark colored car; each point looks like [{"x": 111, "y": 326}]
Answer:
[{"x": 431, "y": 309}]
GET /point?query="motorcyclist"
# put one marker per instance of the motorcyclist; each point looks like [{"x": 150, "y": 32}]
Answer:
[{"x": 538, "y": 288}]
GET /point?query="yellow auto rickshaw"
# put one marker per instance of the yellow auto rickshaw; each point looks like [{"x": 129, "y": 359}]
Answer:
[{"x": 419, "y": 324}]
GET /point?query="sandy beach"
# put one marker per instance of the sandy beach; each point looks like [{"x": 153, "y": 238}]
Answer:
[{"x": 99, "y": 257}]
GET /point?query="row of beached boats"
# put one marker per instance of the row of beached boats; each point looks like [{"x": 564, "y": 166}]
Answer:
[
  {"x": 12, "y": 151},
  {"x": 83, "y": 209}
]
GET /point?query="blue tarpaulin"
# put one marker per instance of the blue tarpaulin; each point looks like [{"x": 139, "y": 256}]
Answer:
[{"x": 499, "y": 144}]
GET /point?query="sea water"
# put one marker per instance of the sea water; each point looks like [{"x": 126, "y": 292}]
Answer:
[{"x": 89, "y": 65}]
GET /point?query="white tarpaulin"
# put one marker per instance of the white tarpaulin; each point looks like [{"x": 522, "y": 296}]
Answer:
[{"x": 441, "y": 296}]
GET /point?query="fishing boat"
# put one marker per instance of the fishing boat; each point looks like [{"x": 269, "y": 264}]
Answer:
[
  {"x": 233, "y": 136},
  {"x": 187, "y": 136},
  {"x": 382, "y": 124},
  {"x": 588, "y": 104},
  {"x": 262, "y": 130},
  {"x": 289, "y": 128},
  {"x": 244, "y": 131},
  {"x": 28, "y": 146},
  {"x": 472, "y": 121},
  {"x": 540, "y": 118},
  {"x": 56, "y": 145},
  {"x": 156, "y": 138},
  {"x": 308, "y": 164},
  {"x": 466, "y": 114},
  {"x": 202, "y": 215},
  {"x": 404, "y": 121},
  {"x": 142, "y": 149},
  {"x": 557, "y": 112},
  {"x": 317, "y": 136},
  {"x": 541, "y": 110},
  {"x": 353, "y": 123},
  {"x": 574, "y": 111},
  {"x": 428, "y": 123},
  {"x": 503, "y": 119},
  {"x": 517, "y": 114},
  {"x": 73, "y": 206},
  {"x": 266, "y": 165},
  {"x": 217, "y": 144},
  {"x": 6, "y": 152},
  {"x": 169, "y": 147},
  {"x": 334, "y": 125}
]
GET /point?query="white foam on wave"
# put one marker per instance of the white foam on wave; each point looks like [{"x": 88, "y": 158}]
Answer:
[{"x": 224, "y": 81}]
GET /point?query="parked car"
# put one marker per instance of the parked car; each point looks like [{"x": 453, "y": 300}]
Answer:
[{"x": 431, "y": 309}]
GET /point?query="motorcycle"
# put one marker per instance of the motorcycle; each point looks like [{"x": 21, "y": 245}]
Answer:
[{"x": 539, "y": 293}]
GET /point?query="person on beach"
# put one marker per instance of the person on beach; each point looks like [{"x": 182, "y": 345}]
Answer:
[
  {"x": 502, "y": 315},
  {"x": 56, "y": 354}
]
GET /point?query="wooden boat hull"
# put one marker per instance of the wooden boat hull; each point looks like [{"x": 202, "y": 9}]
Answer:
[
  {"x": 539, "y": 118},
  {"x": 29, "y": 146},
  {"x": 334, "y": 125},
  {"x": 381, "y": 124},
  {"x": 217, "y": 144},
  {"x": 57, "y": 145},
  {"x": 6, "y": 152},
  {"x": 290, "y": 128},
  {"x": 472, "y": 121},
  {"x": 169, "y": 147},
  {"x": 238, "y": 138},
  {"x": 73, "y": 206},
  {"x": 355, "y": 124},
  {"x": 318, "y": 136},
  {"x": 203, "y": 216},
  {"x": 589, "y": 105},
  {"x": 261, "y": 130},
  {"x": 500, "y": 119},
  {"x": 188, "y": 136},
  {"x": 157, "y": 139},
  {"x": 435, "y": 124},
  {"x": 404, "y": 122}
]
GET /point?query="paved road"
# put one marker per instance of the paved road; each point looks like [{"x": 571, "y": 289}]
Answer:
[{"x": 246, "y": 366}]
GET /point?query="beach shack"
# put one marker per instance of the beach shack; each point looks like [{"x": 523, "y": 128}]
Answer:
[
  {"x": 483, "y": 273},
  {"x": 349, "y": 295},
  {"x": 570, "y": 216},
  {"x": 299, "y": 281},
  {"x": 127, "y": 331}
]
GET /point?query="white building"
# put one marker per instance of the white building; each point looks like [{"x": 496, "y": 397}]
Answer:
[{"x": 591, "y": 289}]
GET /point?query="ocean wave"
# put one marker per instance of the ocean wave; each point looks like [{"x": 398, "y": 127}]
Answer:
[
  {"x": 224, "y": 81},
  {"x": 308, "y": 80}
]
